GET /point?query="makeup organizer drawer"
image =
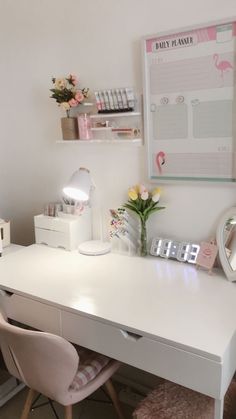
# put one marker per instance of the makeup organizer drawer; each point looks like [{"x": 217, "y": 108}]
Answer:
[
  {"x": 30, "y": 312},
  {"x": 65, "y": 231},
  {"x": 141, "y": 352},
  {"x": 117, "y": 127}
]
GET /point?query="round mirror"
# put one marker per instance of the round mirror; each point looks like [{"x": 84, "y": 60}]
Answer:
[{"x": 226, "y": 241}]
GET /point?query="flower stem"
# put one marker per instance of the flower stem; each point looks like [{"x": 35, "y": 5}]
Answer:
[{"x": 143, "y": 239}]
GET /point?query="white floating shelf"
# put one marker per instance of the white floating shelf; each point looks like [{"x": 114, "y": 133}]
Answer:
[{"x": 115, "y": 115}]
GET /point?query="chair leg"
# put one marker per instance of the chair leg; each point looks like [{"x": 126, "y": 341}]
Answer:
[
  {"x": 29, "y": 400},
  {"x": 68, "y": 412},
  {"x": 114, "y": 397}
]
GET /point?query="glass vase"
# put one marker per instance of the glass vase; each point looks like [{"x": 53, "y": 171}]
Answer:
[{"x": 143, "y": 239}]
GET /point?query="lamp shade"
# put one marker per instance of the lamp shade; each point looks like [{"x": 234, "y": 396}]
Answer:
[{"x": 79, "y": 185}]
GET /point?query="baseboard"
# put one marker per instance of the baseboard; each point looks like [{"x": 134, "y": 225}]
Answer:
[{"x": 9, "y": 389}]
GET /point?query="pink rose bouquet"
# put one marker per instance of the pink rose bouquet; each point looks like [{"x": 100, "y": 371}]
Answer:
[{"x": 66, "y": 92}]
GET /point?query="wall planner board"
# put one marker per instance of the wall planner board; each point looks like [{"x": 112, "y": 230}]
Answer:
[{"x": 189, "y": 103}]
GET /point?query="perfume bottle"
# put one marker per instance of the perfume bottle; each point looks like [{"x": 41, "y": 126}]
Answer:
[{"x": 84, "y": 123}]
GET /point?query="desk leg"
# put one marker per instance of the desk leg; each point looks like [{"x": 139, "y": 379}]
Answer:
[{"x": 219, "y": 408}]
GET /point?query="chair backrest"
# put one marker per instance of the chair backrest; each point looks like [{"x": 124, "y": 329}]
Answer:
[{"x": 44, "y": 362}]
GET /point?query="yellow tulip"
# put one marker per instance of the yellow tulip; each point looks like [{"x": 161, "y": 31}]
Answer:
[{"x": 132, "y": 194}]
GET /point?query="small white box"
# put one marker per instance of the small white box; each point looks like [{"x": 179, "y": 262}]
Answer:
[
  {"x": 66, "y": 232},
  {"x": 5, "y": 233}
]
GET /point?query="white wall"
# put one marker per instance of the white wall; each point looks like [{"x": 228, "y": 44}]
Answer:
[{"x": 100, "y": 41}]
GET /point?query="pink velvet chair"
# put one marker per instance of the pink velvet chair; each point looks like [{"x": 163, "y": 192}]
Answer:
[{"x": 50, "y": 365}]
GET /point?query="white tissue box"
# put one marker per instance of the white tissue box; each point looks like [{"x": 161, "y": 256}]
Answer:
[
  {"x": 5, "y": 232},
  {"x": 66, "y": 232}
]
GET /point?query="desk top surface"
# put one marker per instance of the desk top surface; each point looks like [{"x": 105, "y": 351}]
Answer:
[{"x": 165, "y": 300}]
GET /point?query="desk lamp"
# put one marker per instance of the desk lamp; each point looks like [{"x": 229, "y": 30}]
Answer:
[{"x": 79, "y": 188}]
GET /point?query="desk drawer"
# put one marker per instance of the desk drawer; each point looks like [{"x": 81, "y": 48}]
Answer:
[
  {"x": 33, "y": 313},
  {"x": 158, "y": 358}
]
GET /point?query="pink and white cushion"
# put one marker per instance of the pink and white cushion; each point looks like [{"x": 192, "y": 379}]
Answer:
[{"x": 90, "y": 365}]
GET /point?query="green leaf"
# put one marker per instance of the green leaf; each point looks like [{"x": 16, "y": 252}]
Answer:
[
  {"x": 135, "y": 203},
  {"x": 132, "y": 208},
  {"x": 152, "y": 210}
]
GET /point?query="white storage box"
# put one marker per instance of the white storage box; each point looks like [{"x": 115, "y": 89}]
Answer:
[
  {"x": 66, "y": 232},
  {"x": 5, "y": 232}
]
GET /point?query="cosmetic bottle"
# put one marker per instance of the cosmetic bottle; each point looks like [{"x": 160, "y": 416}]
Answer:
[{"x": 84, "y": 123}]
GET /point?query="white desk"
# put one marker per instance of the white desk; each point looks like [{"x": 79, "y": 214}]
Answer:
[
  {"x": 10, "y": 387},
  {"x": 184, "y": 320},
  {"x": 11, "y": 249}
]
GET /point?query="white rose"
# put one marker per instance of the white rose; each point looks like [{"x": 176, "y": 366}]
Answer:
[
  {"x": 65, "y": 106},
  {"x": 60, "y": 84}
]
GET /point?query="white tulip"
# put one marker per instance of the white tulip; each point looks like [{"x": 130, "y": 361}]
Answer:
[{"x": 156, "y": 197}]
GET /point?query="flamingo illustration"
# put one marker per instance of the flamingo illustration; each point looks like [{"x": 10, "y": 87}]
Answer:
[
  {"x": 222, "y": 66},
  {"x": 160, "y": 160}
]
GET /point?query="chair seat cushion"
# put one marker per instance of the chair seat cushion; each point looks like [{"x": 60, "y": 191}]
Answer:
[{"x": 90, "y": 365}]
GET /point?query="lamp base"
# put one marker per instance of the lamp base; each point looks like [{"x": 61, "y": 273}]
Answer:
[{"x": 94, "y": 248}]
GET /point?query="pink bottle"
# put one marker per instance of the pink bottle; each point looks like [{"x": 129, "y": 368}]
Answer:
[{"x": 84, "y": 123}]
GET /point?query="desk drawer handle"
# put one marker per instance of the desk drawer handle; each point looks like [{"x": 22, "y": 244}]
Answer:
[{"x": 130, "y": 335}]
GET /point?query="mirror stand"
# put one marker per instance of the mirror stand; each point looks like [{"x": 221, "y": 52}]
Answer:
[{"x": 226, "y": 241}]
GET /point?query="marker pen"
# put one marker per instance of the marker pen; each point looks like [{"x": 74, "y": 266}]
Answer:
[
  {"x": 106, "y": 98},
  {"x": 98, "y": 102},
  {"x": 115, "y": 100},
  {"x": 130, "y": 97},
  {"x": 119, "y": 99},
  {"x": 124, "y": 98},
  {"x": 110, "y": 98},
  {"x": 102, "y": 101}
]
